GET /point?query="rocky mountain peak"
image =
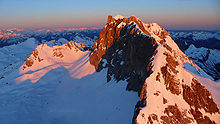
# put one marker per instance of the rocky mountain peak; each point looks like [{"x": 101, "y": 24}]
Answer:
[{"x": 153, "y": 65}]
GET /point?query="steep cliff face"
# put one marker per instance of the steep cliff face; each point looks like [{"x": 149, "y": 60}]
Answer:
[
  {"x": 112, "y": 32},
  {"x": 150, "y": 61}
]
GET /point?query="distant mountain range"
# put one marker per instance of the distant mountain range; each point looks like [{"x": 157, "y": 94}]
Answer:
[
  {"x": 15, "y": 36},
  {"x": 207, "y": 39}
]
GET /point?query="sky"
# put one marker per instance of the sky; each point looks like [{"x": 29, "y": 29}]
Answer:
[{"x": 170, "y": 14}]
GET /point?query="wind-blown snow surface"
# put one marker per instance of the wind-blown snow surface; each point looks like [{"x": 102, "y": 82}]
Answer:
[
  {"x": 60, "y": 99},
  {"x": 63, "y": 88}
]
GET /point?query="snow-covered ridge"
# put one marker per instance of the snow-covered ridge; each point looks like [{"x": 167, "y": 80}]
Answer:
[
  {"x": 152, "y": 29},
  {"x": 172, "y": 86}
]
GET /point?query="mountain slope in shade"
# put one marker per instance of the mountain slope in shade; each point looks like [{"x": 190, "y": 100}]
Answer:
[
  {"x": 146, "y": 56},
  {"x": 12, "y": 57},
  {"x": 208, "y": 59}
]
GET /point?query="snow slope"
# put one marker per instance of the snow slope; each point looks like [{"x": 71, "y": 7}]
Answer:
[
  {"x": 60, "y": 99},
  {"x": 61, "y": 87}
]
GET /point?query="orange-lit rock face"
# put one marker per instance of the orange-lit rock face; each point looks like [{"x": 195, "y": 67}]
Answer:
[
  {"x": 175, "y": 116},
  {"x": 169, "y": 71},
  {"x": 199, "y": 97},
  {"x": 108, "y": 34},
  {"x": 106, "y": 37},
  {"x": 111, "y": 32}
]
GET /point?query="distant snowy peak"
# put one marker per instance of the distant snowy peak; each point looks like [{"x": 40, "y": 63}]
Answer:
[
  {"x": 206, "y": 58},
  {"x": 5, "y": 34},
  {"x": 153, "y": 65}
]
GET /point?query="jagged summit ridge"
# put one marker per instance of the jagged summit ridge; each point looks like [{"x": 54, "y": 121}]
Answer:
[
  {"x": 153, "y": 65},
  {"x": 113, "y": 28}
]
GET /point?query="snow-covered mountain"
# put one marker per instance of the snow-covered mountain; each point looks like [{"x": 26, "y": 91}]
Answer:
[
  {"x": 45, "y": 58},
  {"x": 207, "y": 59},
  {"x": 135, "y": 73}
]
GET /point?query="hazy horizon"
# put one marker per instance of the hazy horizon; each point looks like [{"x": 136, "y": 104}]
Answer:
[{"x": 170, "y": 14}]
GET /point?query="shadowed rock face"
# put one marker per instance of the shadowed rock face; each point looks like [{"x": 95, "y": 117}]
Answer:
[
  {"x": 127, "y": 54},
  {"x": 126, "y": 51},
  {"x": 128, "y": 58}
]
